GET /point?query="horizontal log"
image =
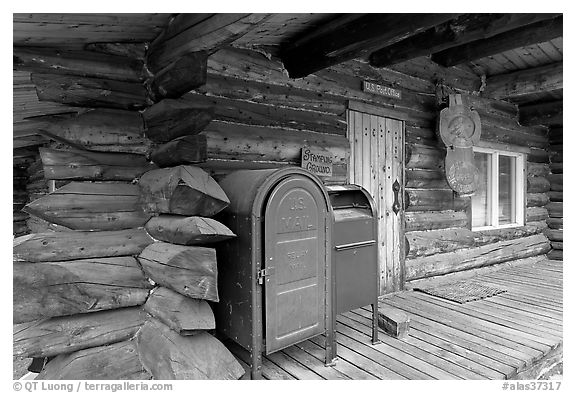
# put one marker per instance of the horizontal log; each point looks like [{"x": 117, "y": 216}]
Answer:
[
  {"x": 19, "y": 216},
  {"x": 200, "y": 356},
  {"x": 89, "y": 92},
  {"x": 20, "y": 228},
  {"x": 89, "y": 165},
  {"x": 190, "y": 149},
  {"x": 255, "y": 143},
  {"x": 38, "y": 225},
  {"x": 556, "y": 156},
  {"x": 535, "y": 169},
  {"x": 417, "y": 109},
  {"x": 536, "y": 214},
  {"x": 219, "y": 168},
  {"x": 556, "y": 182},
  {"x": 505, "y": 134},
  {"x": 449, "y": 278},
  {"x": 423, "y": 243},
  {"x": 555, "y": 209},
  {"x": 208, "y": 35},
  {"x": 497, "y": 235},
  {"x": 51, "y": 289},
  {"x": 555, "y": 235},
  {"x": 273, "y": 94},
  {"x": 109, "y": 130},
  {"x": 557, "y": 167},
  {"x": 555, "y": 222},
  {"x": 518, "y": 84},
  {"x": 425, "y": 178},
  {"x": 547, "y": 113},
  {"x": 185, "y": 190},
  {"x": 245, "y": 112},
  {"x": 170, "y": 119},
  {"x": 179, "y": 77},
  {"x": 533, "y": 200},
  {"x": 556, "y": 196},
  {"x": 134, "y": 50},
  {"x": 434, "y": 200},
  {"x": 537, "y": 184},
  {"x": 59, "y": 335},
  {"x": 180, "y": 313},
  {"x": 65, "y": 246},
  {"x": 489, "y": 254},
  {"x": 557, "y": 245},
  {"x": 422, "y": 221},
  {"x": 92, "y": 206},
  {"x": 187, "y": 231},
  {"x": 538, "y": 155},
  {"x": 190, "y": 271},
  {"x": 119, "y": 361},
  {"x": 78, "y": 62},
  {"x": 556, "y": 255},
  {"x": 425, "y": 157}
]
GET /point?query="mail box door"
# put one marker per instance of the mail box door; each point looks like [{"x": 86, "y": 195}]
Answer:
[{"x": 295, "y": 262}]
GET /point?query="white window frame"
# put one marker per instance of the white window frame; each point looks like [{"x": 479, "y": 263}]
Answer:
[{"x": 520, "y": 188}]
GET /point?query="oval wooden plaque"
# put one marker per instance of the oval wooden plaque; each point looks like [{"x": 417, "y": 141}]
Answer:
[
  {"x": 461, "y": 173},
  {"x": 459, "y": 126}
]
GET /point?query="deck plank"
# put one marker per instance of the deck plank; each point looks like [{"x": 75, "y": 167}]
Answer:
[
  {"x": 471, "y": 342},
  {"x": 315, "y": 365},
  {"x": 407, "y": 353},
  {"x": 467, "y": 325},
  {"x": 448, "y": 351},
  {"x": 269, "y": 369},
  {"x": 292, "y": 366},
  {"x": 527, "y": 307},
  {"x": 342, "y": 365},
  {"x": 483, "y": 322},
  {"x": 544, "y": 336},
  {"x": 361, "y": 357}
]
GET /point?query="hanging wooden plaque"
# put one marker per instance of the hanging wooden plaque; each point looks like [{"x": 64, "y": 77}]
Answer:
[
  {"x": 461, "y": 173},
  {"x": 459, "y": 126}
]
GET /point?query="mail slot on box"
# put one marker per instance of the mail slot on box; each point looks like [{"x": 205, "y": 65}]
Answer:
[
  {"x": 355, "y": 250},
  {"x": 275, "y": 280}
]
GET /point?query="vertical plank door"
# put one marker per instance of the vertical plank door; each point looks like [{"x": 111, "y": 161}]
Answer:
[{"x": 376, "y": 162}]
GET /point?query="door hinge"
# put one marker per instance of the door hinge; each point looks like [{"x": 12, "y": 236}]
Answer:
[{"x": 264, "y": 273}]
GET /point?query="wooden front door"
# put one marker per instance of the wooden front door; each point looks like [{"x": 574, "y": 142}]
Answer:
[{"x": 376, "y": 163}]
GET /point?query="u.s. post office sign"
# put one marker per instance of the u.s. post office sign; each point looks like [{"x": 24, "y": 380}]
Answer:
[
  {"x": 373, "y": 88},
  {"x": 317, "y": 161}
]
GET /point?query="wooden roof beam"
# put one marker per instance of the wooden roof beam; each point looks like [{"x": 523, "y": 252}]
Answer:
[
  {"x": 546, "y": 113},
  {"x": 352, "y": 36},
  {"x": 522, "y": 83},
  {"x": 523, "y": 36},
  {"x": 188, "y": 33},
  {"x": 466, "y": 28}
]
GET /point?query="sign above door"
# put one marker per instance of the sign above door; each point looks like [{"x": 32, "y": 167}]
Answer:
[{"x": 374, "y": 88}]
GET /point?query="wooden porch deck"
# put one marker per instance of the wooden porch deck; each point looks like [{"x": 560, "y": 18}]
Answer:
[{"x": 494, "y": 338}]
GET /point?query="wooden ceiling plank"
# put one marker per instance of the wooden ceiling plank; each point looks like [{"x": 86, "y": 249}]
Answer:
[
  {"x": 525, "y": 82},
  {"x": 548, "y": 113},
  {"x": 558, "y": 44},
  {"x": 352, "y": 36},
  {"x": 550, "y": 51},
  {"x": 464, "y": 29},
  {"x": 523, "y": 36}
]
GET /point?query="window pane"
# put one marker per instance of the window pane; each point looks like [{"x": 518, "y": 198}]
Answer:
[
  {"x": 481, "y": 198},
  {"x": 506, "y": 189}
]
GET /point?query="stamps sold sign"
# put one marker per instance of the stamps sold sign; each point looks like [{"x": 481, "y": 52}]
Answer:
[{"x": 317, "y": 161}]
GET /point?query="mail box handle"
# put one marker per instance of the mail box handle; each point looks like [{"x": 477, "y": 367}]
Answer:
[{"x": 355, "y": 245}]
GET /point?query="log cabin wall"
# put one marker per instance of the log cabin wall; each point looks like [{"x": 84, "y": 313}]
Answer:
[
  {"x": 555, "y": 207},
  {"x": 262, "y": 118}
]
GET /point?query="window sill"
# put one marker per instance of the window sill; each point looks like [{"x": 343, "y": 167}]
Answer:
[{"x": 493, "y": 228}]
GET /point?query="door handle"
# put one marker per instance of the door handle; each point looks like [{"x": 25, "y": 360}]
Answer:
[{"x": 396, "y": 205}]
